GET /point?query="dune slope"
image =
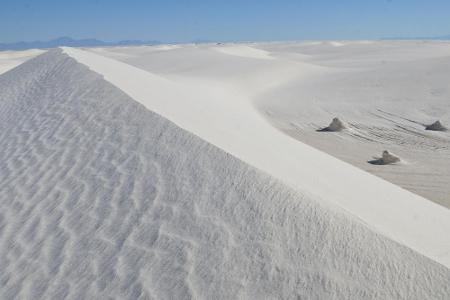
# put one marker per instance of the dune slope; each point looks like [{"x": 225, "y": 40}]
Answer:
[{"x": 103, "y": 198}]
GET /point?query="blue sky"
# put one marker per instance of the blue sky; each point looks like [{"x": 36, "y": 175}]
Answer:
[{"x": 226, "y": 20}]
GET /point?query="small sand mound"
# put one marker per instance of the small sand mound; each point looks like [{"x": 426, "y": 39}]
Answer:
[
  {"x": 436, "y": 126},
  {"x": 386, "y": 159},
  {"x": 335, "y": 125},
  {"x": 389, "y": 158}
]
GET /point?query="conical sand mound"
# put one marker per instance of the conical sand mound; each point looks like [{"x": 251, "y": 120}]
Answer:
[
  {"x": 336, "y": 125},
  {"x": 389, "y": 158},
  {"x": 386, "y": 158},
  {"x": 436, "y": 126},
  {"x": 101, "y": 198}
]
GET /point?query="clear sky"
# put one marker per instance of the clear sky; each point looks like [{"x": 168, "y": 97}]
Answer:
[{"x": 226, "y": 20}]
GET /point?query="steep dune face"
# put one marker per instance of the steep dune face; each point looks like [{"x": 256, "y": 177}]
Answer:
[{"x": 103, "y": 198}]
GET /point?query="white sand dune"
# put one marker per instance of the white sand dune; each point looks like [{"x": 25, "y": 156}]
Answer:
[
  {"x": 243, "y": 51},
  {"x": 227, "y": 119},
  {"x": 103, "y": 198}
]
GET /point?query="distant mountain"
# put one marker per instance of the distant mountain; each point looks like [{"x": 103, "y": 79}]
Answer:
[
  {"x": 203, "y": 41},
  {"x": 442, "y": 37},
  {"x": 67, "y": 41}
]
